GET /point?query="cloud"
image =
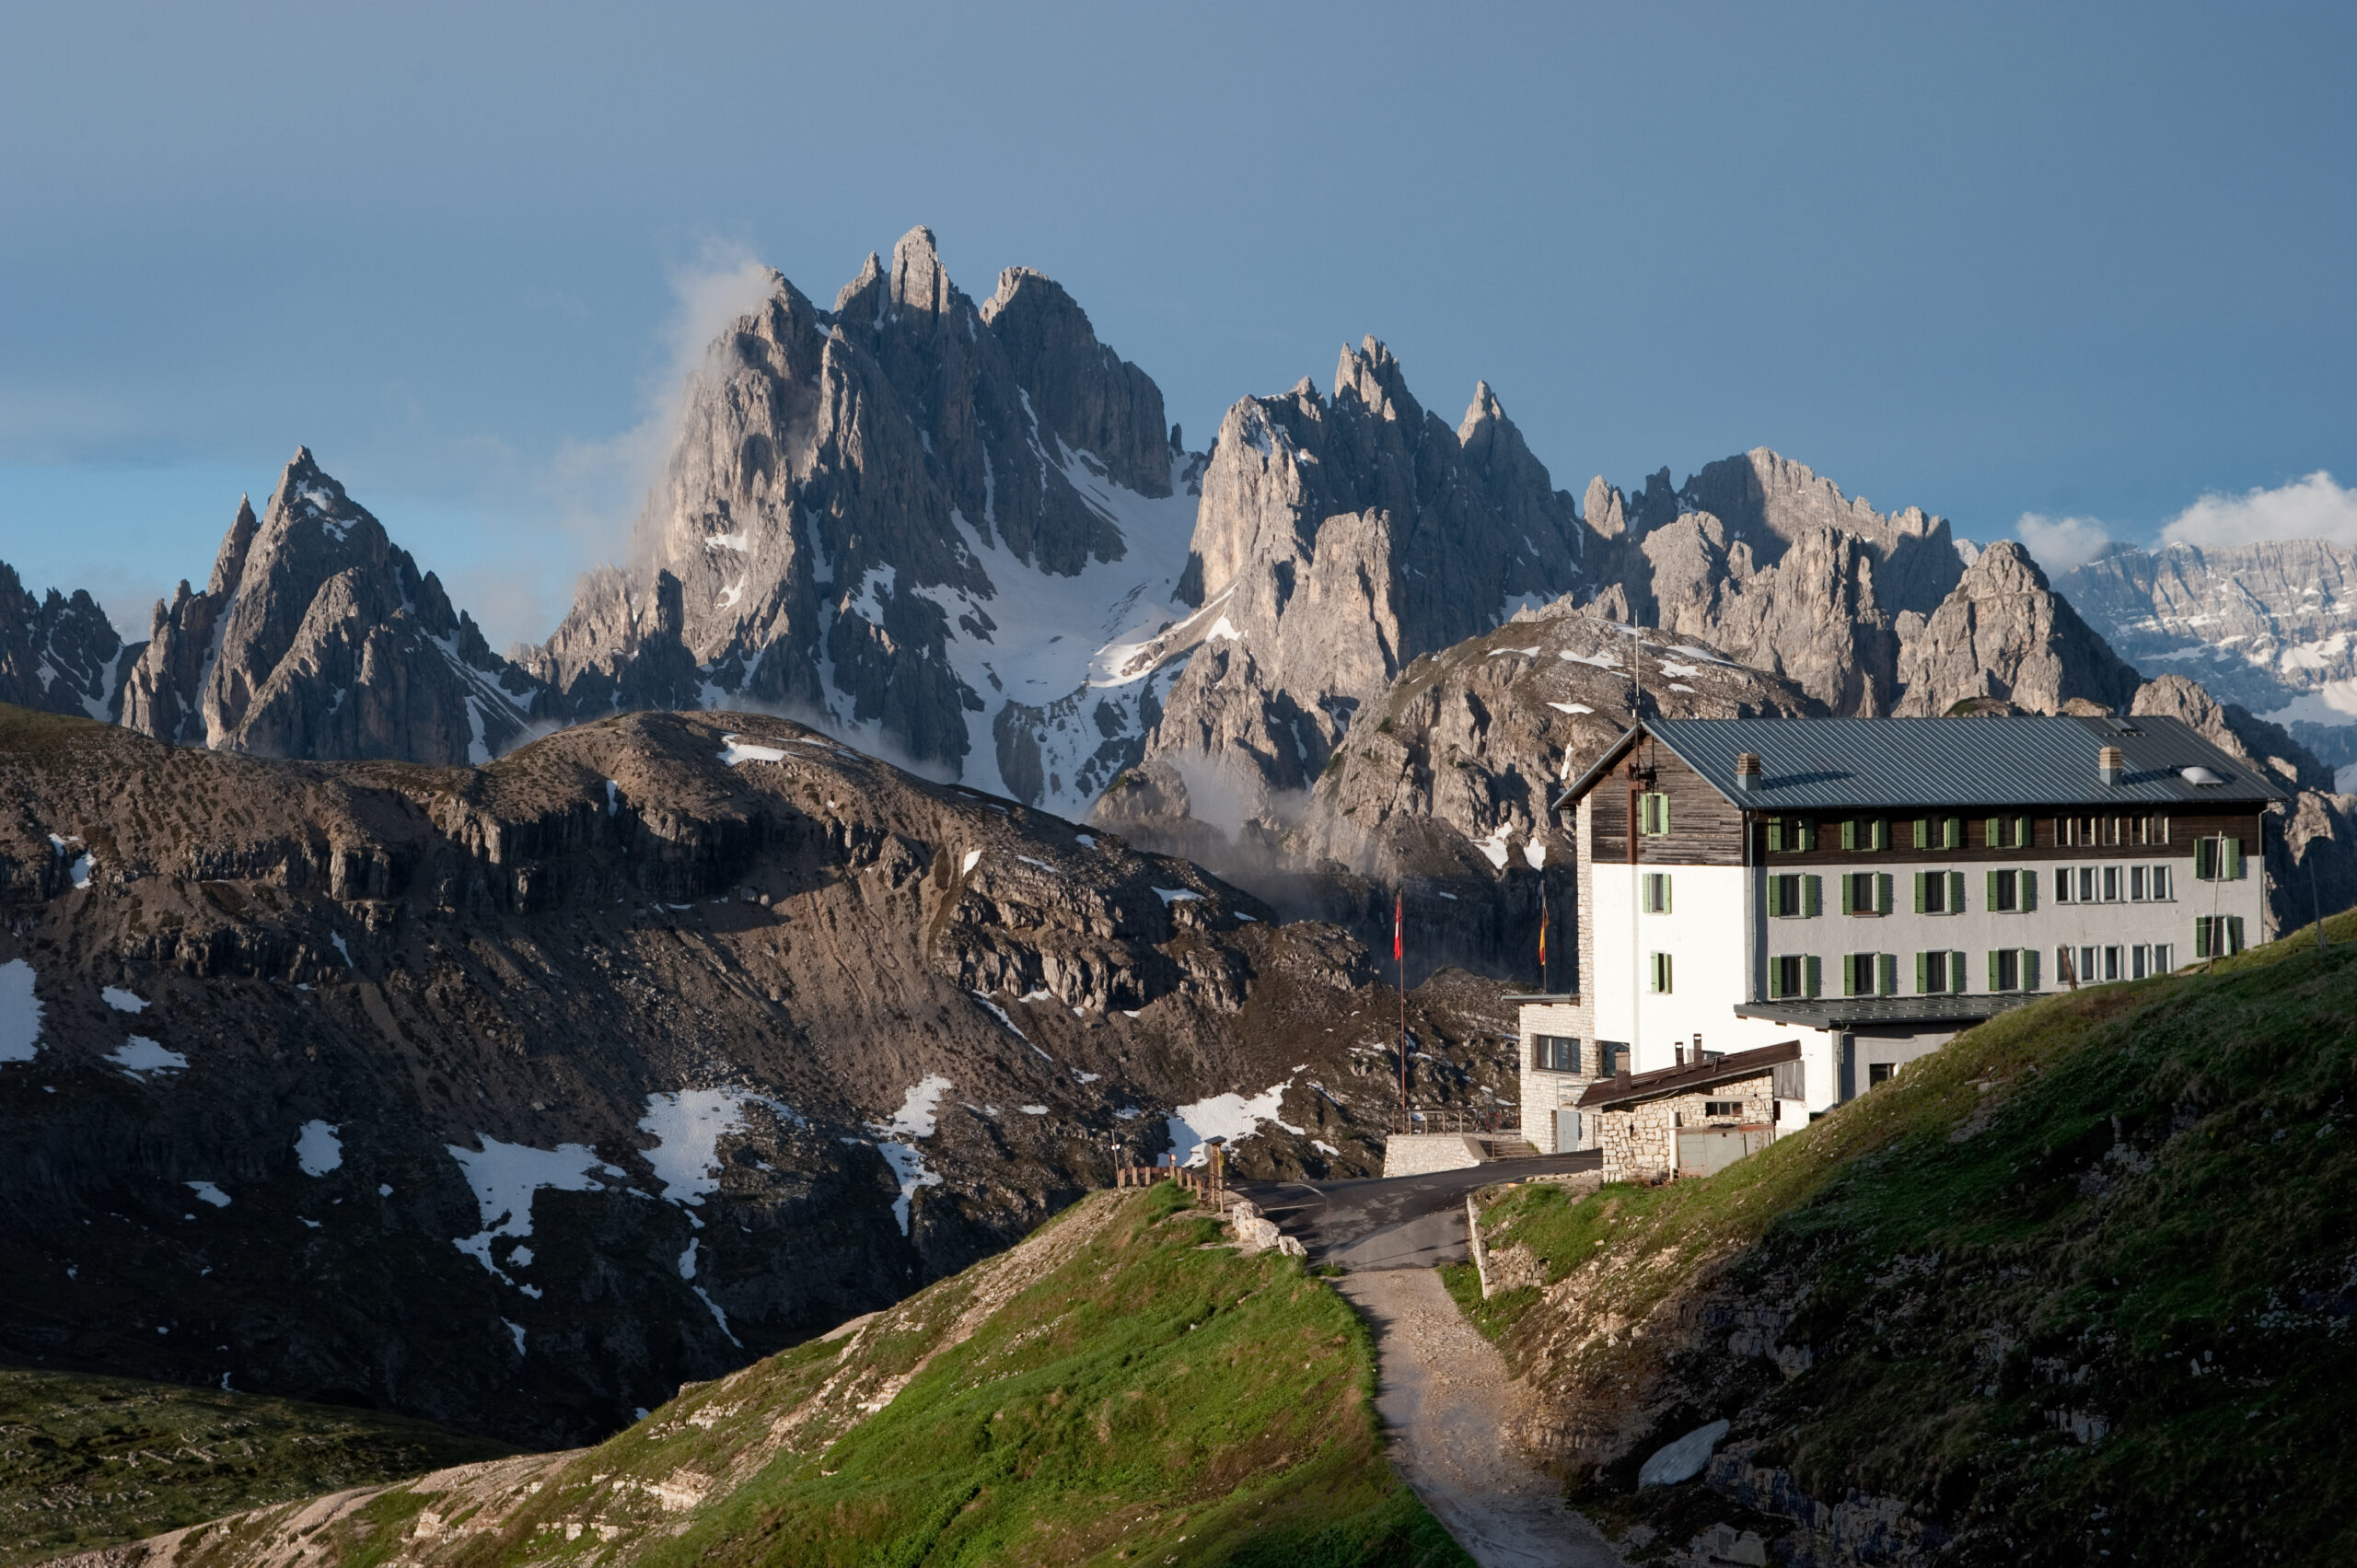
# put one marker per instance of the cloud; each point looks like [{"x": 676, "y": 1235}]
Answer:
[
  {"x": 599, "y": 488},
  {"x": 2313, "y": 507},
  {"x": 2061, "y": 543}
]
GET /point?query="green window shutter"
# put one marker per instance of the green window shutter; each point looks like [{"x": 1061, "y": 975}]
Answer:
[
  {"x": 1665, "y": 893},
  {"x": 1881, "y": 835},
  {"x": 2029, "y": 880},
  {"x": 1849, "y": 974},
  {"x": 1923, "y": 833},
  {"x": 1849, "y": 832},
  {"x": 1814, "y": 971},
  {"x": 2200, "y": 936},
  {"x": 1992, "y": 905},
  {"x": 2233, "y": 933},
  {"x": 1849, "y": 902},
  {"x": 1956, "y": 892},
  {"x": 1919, "y": 889},
  {"x": 1955, "y": 973},
  {"x": 1775, "y": 835},
  {"x": 2205, "y": 859},
  {"x": 2233, "y": 860},
  {"x": 2029, "y": 968},
  {"x": 2025, "y": 836},
  {"x": 1665, "y": 814},
  {"x": 1882, "y": 893},
  {"x": 1989, "y": 832},
  {"x": 1922, "y": 973},
  {"x": 1888, "y": 979},
  {"x": 1812, "y": 896},
  {"x": 1952, "y": 834},
  {"x": 1992, "y": 970}
]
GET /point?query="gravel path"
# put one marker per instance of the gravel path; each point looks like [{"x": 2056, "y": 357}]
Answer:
[{"x": 1446, "y": 1400}]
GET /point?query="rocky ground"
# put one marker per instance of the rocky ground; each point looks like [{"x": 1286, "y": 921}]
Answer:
[{"x": 512, "y": 1097}]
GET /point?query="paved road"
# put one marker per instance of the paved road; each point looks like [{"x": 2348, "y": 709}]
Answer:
[
  {"x": 1447, "y": 1405},
  {"x": 1405, "y": 1222}
]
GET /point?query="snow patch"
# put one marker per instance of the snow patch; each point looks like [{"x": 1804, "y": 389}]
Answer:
[
  {"x": 1223, "y": 630},
  {"x": 506, "y": 1177},
  {"x": 1534, "y": 855},
  {"x": 1231, "y": 1117},
  {"x": 318, "y": 1149},
  {"x": 19, "y": 1012},
  {"x": 687, "y": 1126},
  {"x": 1601, "y": 661},
  {"x": 121, "y": 1001},
  {"x": 143, "y": 1056},
  {"x": 613, "y": 797},
  {"x": 209, "y": 1192},
  {"x": 1176, "y": 895},
  {"x": 896, "y": 1140},
  {"x": 734, "y": 753},
  {"x": 973, "y": 858},
  {"x": 336, "y": 941},
  {"x": 1571, "y": 707},
  {"x": 1493, "y": 848}
]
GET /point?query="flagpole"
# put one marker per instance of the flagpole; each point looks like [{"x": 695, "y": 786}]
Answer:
[{"x": 1399, "y": 951}]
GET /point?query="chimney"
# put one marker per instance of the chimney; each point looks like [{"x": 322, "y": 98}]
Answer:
[
  {"x": 2110, "y": 763},
  {"x": 1747, "y": 770}
]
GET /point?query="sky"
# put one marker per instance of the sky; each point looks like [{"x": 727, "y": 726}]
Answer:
[{"x": 2072, "y": 272}]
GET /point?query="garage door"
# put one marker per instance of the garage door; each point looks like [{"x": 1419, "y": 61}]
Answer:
[{"x": 1708, "y": 1149}]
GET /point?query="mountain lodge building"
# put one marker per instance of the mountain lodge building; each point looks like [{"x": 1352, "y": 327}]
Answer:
[{"x": 1870, "y": 888}]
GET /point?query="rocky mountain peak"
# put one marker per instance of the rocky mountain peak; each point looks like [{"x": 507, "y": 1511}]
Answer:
[
  {"x": 229, "y": 560},
  {"x": 1370, "y": 375},
  {"x": 58, "y": 652},
  {"x": 2004, "y": 632},
  {"x": 869, "y": 277},
  {"x": 919, "y": 280}
]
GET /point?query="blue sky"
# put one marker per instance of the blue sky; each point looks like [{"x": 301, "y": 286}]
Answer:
[{"x": 2084, "y": 263}]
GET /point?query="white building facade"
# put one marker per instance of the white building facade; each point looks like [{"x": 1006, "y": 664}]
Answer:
[{"x": 1871, "y": 887}]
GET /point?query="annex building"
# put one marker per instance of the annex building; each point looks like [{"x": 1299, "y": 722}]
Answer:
[{"x": 1869, "y": 887}]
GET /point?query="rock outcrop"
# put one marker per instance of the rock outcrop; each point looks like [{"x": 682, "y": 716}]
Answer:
[
  {"x": 57, "y": 653},
  {"x": 910, "y": 518},
  {"x": 1338, "y": 541},
  {"x": 317, "y": 637},
  {"x": 2004, "y": 632},
  {"x": 512, "y": 1097}
]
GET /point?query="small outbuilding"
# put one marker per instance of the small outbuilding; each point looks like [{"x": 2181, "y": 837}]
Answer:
[{"x": 1692, "y": 1119}]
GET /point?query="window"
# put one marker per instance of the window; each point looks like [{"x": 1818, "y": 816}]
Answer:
[
  {"x": 2217, "y": 859},
  {"x": 2005, "y": 889},
  {"x": 1795, "y": 896},
  {"x": 1939, "y": 892},
  {"x": 1652, "y": 815},
  {"x": 1866, "y": 892},
  {"x": 2136, "y": 886},
  {"x": 1938, "y": 973},
  {"x": 2112, "y": 963},
  {"x": 2005, "y": 833},
  {"x": 1869, "y": 974},
  {"x": 1866, "y": 833},
  {"x": 1939, "y": 832},
  {"x": 2161, "y": 891},
  {"x": 2219, "y": 936},
  {"x": 1722, "y": 1107},
  {"x": 2163, "y": 953},
  {"x": 2004, "y": 969},
  {"x": 1794, "y": 975},
  {"x": 2111, "y": 884},
  {"x": 2138, "y": 957},
  {"x": 1660, "y": 972},
  {"x": 2090, "y": 966},
  {"x": 2086, "y": 883},
  {"x": 1877, "y": 1073},
  {"x": 1555, "y": 1054},
  {"x": 1611, "y": 1058},
  {"x": 1657, "y": 892},
  {"x": 1788, "y": 835},
  {"x": 2066, "y": 966}
]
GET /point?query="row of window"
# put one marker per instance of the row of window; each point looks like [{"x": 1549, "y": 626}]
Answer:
[
  {"x": 1801, "y": 895},
  {"x": 1798, "y": 835},
  {"x": 1801, "y": 975}
]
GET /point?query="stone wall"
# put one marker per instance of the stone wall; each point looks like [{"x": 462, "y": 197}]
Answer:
[
  {"x": 1421, "y": 1153},
  {"x": 1639, "y": 1142}
]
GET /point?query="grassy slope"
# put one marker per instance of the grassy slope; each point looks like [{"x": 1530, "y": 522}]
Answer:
[
  {"x": 2148, "y": 1215},
  {"x": 1147, "y": 1397},
  {"x": 87, "y": 1461}
]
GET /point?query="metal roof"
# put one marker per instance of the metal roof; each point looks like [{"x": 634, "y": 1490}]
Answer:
[
  {"x": 1689, "y": 1075},
  {"x": 1817, "y": 765},
  {"x": 1964, "y": 1008}
]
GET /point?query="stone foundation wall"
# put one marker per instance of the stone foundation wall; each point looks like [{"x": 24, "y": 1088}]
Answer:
[{"x": 1421, "y": 1153}]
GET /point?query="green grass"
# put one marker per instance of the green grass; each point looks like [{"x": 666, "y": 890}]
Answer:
[
  {"x": 89, "y": 1461},
  {"x": 1152, "y": 1396},
  {"x": 2070, "y": 1208}
]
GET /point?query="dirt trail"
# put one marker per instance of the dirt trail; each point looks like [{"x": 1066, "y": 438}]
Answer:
[{"x": 1447, "y": 1403}]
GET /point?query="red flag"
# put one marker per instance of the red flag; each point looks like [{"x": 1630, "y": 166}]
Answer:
[
  {"x": 1542, "y": 928},
  {"x": 1398, "y": 925}
]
